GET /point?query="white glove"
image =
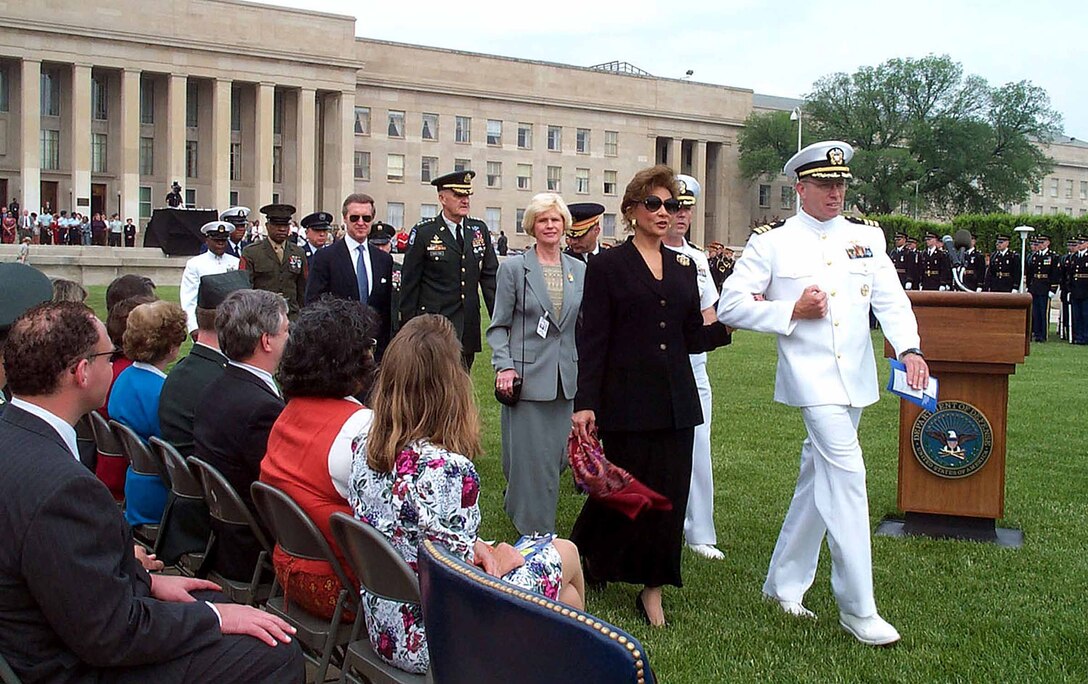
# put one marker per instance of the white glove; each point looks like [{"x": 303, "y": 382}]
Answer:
[
  {"x": 1051, "y": 295},
  {"x": 907, "y": 286},
  {"x": 978, "y": 289},
  {"x": 942, "y": 288}
]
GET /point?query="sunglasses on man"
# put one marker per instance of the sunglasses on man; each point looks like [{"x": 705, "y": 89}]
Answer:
[{"x": 365, "y": 218}]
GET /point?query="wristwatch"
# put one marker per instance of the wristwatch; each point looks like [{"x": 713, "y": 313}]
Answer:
[{"x": 912, "y": 350}]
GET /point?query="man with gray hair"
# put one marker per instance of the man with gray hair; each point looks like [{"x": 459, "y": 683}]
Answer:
[{"x": 237, "y": 410}]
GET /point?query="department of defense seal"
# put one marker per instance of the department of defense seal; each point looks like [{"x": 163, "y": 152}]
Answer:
[{"x": 954, "y": 441}]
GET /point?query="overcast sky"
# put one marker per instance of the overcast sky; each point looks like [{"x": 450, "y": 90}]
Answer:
[{"x": 774, "y": 48}]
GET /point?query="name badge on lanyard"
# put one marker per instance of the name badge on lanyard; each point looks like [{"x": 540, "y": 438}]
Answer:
[{"x": 542, "y": 326}]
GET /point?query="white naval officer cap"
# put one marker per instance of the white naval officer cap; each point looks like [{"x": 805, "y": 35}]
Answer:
[
  {"x": 827, "y": 159},
  {"x": 235, "y": 215},
  {"x": 689, "y": 190},
  {"x": 217, "y": 230}
]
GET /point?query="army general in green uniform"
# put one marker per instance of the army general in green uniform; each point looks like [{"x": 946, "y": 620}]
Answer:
[
  {"x": 276, "y": 263},
  {"x": 450, "y": 261}
]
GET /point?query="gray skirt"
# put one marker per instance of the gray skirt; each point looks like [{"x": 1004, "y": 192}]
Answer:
[{"x": 534, "y": 454}]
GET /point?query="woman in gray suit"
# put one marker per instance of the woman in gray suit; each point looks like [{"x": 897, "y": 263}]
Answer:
[{"x": 537, "y": 299}]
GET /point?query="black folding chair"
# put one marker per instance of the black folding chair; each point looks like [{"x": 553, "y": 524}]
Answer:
[
  {"x": 185, "y": 528},
  {"x": 110, "y": 463},
  {"x": 298, "y": 536},
  {"x": 7, "y": 675},
  {"x": 382, "y": 572},
  {"x": 86, "y": 443},
  {"x": 228, "y": 509},
  {"x": 142, "y": 462}
]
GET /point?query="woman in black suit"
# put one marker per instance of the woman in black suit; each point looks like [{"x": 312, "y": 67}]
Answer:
[{"x": 641, "y": 319}]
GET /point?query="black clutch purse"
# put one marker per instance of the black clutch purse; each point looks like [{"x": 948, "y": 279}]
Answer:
[{"x": 512, "y": 398}]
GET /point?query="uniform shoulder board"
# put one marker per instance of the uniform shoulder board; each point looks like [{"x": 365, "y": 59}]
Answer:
[
  {"x": 760, "y": 230},
  {"x": 862, "y": 221}
]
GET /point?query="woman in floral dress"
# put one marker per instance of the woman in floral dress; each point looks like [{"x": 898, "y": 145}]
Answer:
[{"x": 413, "y": 480}]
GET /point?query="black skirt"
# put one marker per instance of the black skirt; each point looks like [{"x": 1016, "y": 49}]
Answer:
[{"x": 645, "y": 550}]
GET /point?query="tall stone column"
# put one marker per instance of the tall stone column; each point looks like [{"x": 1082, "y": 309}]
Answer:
[
  {"x": 262, "y": 154},
  {"x": 339, "y": 148},
  {"x": 676, "y": 148},
  {"x": 175, "y": 132},
  {"x": 30, "y": 128},
  {"x": 80, "y": 133},
  {"x": 698, "y": 172},
  {"x": 305, "y": 143},
  {"x": 130, "y": 144},
  {"x": 220, "y": 143}
]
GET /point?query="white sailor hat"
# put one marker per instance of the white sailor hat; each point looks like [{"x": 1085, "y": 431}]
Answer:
[
  {"x": 689, "y": 190},
  {"x": 217, "y": 230},
  {"x": 827, "y": 159},
  {"x": 235, "y": 215}
]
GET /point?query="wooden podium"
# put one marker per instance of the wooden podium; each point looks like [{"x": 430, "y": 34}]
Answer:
[{"x": 972, "y": 343}]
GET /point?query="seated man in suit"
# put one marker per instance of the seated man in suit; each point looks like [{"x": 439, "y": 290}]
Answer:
[
  {"x": 236, "y": 411},
  {"x": 351, "y": 268},
  {"x": 75, "y": 605}
]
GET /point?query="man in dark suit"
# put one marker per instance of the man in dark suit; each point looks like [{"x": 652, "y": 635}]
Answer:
[
  {"x": 278, "y": 264},
  {"x": 75, "y": 605},
  {"x": 585, "y": 230},
  {"x": 236, "y": 411},
  {"x": 352, "y": 268},
  {"x": 450, "y": 262}
]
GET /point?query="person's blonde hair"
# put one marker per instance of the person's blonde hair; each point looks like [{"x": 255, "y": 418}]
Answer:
[
  {"x": 153, "y": 331},
  {"x": 540, "y": 203},
  {"x": 423, "y": 393}
]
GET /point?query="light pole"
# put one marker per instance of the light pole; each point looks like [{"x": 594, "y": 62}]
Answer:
[
  {"x": 1023, "y": 231},
  {"x": 795, "y": 115},
  {"x": 916, "y": 182}
]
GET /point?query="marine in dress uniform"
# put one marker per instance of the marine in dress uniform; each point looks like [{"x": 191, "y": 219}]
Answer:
[
  {"x": 820, "y": 273},
  {"x": 450, "y": 263},
  {"x": 974, "y": 268},
  {"x": 1078, "y": 290},
  {"x": 583, "y": 236},
  {"x": 1065, "y": 266},
  {"x": 278, "y": 264},
  {"x": 316, "y": 227},
  {"x": 903, "y": 260},
  {"x": 215, "y": 260},
  {"x": 1044, "y": 277},
  {"x": 1003, "y": 272},
  {"x": 237, "y": 217},
  {"x": 934, "y": 266}
]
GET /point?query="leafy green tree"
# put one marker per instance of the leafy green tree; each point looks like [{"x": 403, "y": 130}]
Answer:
[{"x": 766, "y": 144}]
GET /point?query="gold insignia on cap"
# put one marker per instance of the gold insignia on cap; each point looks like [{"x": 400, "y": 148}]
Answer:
[
  {"x": 835, "y": 156},
  {"x": 468, "y": 178},
  {"x": 683, "y": 187},
  {"x": 683, "y": 260},
  {"x": 864, "y": 290}
]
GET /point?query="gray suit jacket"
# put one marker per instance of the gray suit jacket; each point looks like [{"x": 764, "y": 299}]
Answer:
[{"x": 521, "y": 298}]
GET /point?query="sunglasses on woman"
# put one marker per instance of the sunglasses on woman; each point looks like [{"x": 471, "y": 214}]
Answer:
[{"x": 653, "y": 203}]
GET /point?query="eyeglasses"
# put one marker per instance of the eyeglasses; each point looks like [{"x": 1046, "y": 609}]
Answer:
[
  {"x": 365, "y": 218},
  {"x": 91, "y": 357},
  {"x": 653, "y": 203}
]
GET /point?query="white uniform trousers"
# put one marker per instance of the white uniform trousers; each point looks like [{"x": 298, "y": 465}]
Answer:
[
  {"x": 830, "y": 498},
  {"x": 699, "y": 517}
]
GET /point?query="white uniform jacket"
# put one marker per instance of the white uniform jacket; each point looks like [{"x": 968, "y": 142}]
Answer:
[
  {"x": 196, "y": 268},
  {"x": 829, "y": 360}
]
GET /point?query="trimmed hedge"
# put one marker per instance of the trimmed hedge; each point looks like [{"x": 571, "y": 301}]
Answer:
[{"x": 985, "y": 227}]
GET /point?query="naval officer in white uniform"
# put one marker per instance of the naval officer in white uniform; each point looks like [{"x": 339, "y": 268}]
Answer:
[
  {"x": 212, "y": 262},
  {"x": 819, "y": 273}
]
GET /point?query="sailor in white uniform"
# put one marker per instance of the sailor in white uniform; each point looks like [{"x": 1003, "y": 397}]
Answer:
[{"x": 212, "y": 262}]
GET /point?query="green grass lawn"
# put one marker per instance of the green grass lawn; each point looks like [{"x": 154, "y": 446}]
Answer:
[{"x": 968, "y": 612}]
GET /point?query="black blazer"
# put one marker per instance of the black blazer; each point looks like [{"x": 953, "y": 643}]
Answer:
[
  {"x": 183, "y": 390},
  {"x": 73, "y": 598},
  {"x": 230, "y": 431},
  {"x": 332, "y": 271},
  {"x": 634, "y": 340}
]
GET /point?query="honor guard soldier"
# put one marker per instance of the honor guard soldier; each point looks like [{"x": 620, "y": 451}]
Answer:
[
  {"x": 974, "y": 268},
  {"x": 316, "y": 228},
  {"x": 585, "y": 230},
  {"x": 237, "y": 217},
  {"x": 215, "y": 260},
  {"x": 450, "y": 262},
  {"x": 278, "y": 264},
  {"x": 1044, "y": 277},
  {"x": 903, "y": 260},
  {"x": 721, "y": 263},
  {"x": 1078, "y": 290},
  {"x": 1003, "y": 273},
  {"x": 818, "y": 274},
  {"x": 1065, "y": 266},
  {"x": 934, "y": 265}
]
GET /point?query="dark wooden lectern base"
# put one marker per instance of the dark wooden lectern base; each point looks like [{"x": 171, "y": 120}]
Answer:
[{"x": 962, "y": 527}]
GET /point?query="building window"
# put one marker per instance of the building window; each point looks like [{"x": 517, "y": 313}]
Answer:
[
  {"x": 494, "y": 132},
  {"x": 1069, "y": 211},
  {"x": 232, "y": 198},
  {"x": 461, "y": 164},
  {"x": 518, "y": 218},
  {"x": 50, "y": 149},
  {"x": 236, "y": 161},
  {"x": 611, "y": 143},
  {"x": 610, "y": 182},
  {"x": 277, "y": 163},
  {"x": 428, "y": 166},
  {"x": 555, "y": 177},
  {"x": 50, "y": 95},
  {"x": 555, "y": 138},
  {"x": 394, "y": 168},
  {"x": 98, "y": 153},
  {"x": 395, "y": 214},
  {"x": 279, "y": 112},
  {"x": 1069, "y": 189},
  {"x": 191, "y": 168},
  {"x": 788, "y": 194},
  {"x": 493, "y": 217},
  {"x": 1038, "y": 209},
  {"x": 765, "y": 196},
  {"x": 427, "y": 211},
  {"x": 1053, "y": 187},
  {"x": 525, "y": 178},
  {"x": 147, "y": 101},
  {"x": 145, "y": 202},
  {"x": 190, "y": 198},
  {"x": 608, "y": 225},
  {"x": 462, "y": 129},
  {"x": 494, "y": 174},
  {"x": 430, "y": 127},
  {"x": 147, "y": 156},
  {"x": 581, "y": 141},
  {"x": 362, "y": 165},
  {"x": 396, "y": 124},
  {"x": 362, "y": 121},
  {"x": 5, "y": 88},
  {"x": 525, "y": 136},
  {"x": 581, "y": 181},
  {"x": 235, "y": 110},
  {"x": 192, "y": 105},
  {"x": 1084, "y": 190},
  {"x": 99, "y": 99}
]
